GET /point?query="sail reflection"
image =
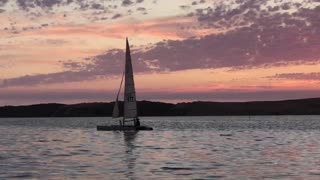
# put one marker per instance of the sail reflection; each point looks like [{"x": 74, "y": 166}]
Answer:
[{"x": 130, "y": 154}]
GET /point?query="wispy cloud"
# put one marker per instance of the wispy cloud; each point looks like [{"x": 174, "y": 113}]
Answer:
[
  {"x": 68, "y": 10},
  {"x": 162, "y": 28},
  {"x": 116, "y": 16},
  {"x": 62, "y": 77},
  {"x": 3, "y": 2},
  {"x": 297, "y": 76},
  {"x": 126, "y": 2},
  {"x": 54, "y": 95}
]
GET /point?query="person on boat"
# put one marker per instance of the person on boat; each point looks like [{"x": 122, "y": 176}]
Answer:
[{"x": 137, "y": 122}]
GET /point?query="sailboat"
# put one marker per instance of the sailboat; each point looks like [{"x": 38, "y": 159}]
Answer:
[{"x": 130, "y": 119}]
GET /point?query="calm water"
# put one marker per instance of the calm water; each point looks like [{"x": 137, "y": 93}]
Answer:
[{"x": 258, "y": 147}]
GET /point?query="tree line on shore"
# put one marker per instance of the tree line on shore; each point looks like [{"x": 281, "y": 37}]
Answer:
[{"x": 149, "y": 108}]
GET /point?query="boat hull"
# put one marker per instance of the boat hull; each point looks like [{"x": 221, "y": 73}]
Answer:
[{"x": 124, "y": 128}]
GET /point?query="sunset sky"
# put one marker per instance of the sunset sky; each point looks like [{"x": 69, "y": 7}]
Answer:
[{"x": 71, "y": 51}]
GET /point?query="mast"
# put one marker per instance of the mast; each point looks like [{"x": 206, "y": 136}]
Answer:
[{"x": 130, "y": 103}]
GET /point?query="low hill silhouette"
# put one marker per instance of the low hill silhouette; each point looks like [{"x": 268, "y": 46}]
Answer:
[{"x": 148, "y": 108}]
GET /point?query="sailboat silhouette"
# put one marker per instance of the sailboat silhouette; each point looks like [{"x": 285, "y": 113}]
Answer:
[{"x": 130, "y": 120}]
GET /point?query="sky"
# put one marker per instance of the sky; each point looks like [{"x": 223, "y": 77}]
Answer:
[{"x": 72, "y": 51}]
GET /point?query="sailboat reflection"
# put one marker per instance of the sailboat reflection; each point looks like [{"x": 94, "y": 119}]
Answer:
[{"x": 130, "y": 155}]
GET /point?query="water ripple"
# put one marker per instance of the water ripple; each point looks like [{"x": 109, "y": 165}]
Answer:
[{"x": 179, "y": 148}]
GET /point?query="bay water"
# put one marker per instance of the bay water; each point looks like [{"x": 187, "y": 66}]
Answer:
[{"x": 215, "y": 147}]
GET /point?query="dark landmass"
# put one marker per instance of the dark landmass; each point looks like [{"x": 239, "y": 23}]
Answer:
[{"x": 147, "y": 108}]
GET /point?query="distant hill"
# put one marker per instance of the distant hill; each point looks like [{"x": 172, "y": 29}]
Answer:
[{"x": 147, "y": 108}]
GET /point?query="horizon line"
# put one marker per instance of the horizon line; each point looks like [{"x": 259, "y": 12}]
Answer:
[{"x": 92, "y": 102}]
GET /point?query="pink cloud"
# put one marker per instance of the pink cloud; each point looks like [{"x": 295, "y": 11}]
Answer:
[{"x": 164, "y": 28}]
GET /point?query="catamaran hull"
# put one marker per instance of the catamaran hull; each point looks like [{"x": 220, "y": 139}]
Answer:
[{"x": 124, "y": 128}]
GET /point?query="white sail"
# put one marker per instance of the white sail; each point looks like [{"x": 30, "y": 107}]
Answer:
[
  {"x": 130, "y": 104},
  {"x": 115, "y": 112}
]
